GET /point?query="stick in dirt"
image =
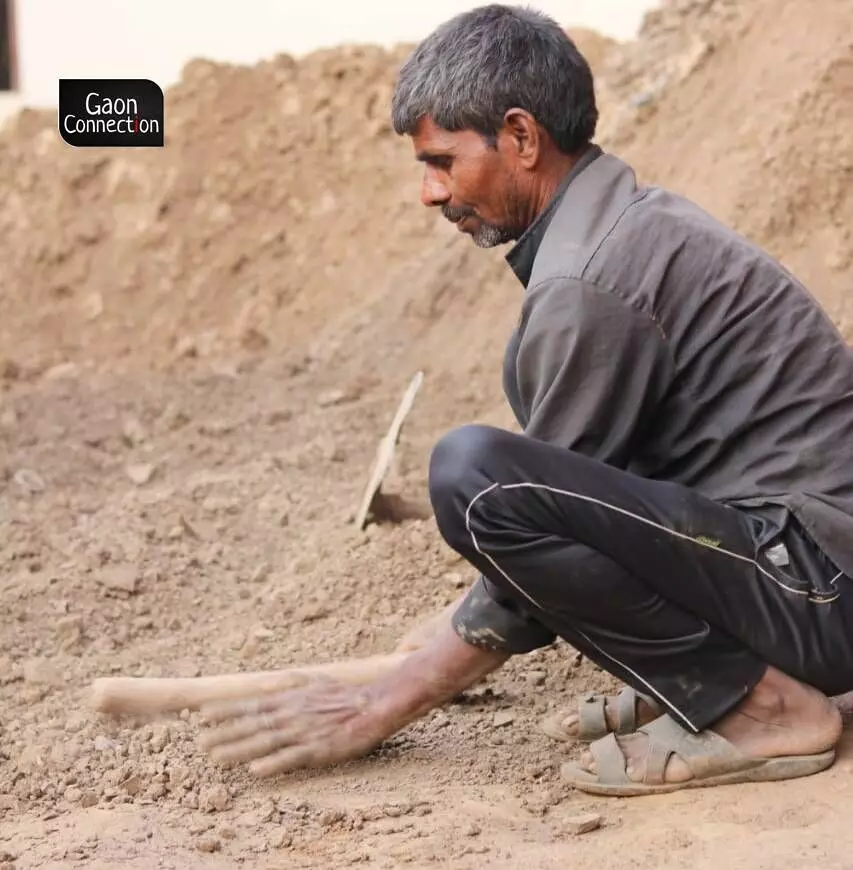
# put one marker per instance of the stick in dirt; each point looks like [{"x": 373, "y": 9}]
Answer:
[{"x": 385, "y": 454}]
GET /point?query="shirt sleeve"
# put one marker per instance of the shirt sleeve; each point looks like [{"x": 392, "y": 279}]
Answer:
[{"x": 592, "y": 370}]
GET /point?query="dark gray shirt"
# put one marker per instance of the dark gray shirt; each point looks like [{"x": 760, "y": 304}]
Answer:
[{"x": 656, "y": 339}]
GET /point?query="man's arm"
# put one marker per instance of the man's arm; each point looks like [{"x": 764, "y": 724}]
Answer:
[
  {"x": 424, "y": 631},
  {"x": 592, "y": 370},
  {"x": 328, "y": 723}
]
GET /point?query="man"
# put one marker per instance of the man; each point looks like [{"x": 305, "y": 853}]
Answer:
[{"x": 679, "y": 506}]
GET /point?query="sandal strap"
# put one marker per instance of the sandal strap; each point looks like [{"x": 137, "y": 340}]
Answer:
[
  {"x": 706, "y": 754},
  {"x": 592, "y": 722},
  {"x": 626, "y": 709},
  {"x": 609, "y": 760},
  {"x": 657, "y": 758}
]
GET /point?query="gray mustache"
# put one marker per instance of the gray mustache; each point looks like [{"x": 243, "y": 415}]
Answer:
[{"x": 456, "y": 214}]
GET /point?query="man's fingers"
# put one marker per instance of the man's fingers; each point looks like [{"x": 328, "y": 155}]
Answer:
[
  {"x": 238, "y": 729},
  {"x": 256, "y": 746},
  {"x": 243, "y": 746},
  {"x": 221, "y": 711},
  {"x": 286, "y": 760},
  {"x": 285, "y": 731},
  {"x": 233, "y": 732}
]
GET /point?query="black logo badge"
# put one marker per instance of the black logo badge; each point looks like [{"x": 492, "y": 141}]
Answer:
[{"x": 119, "y": 113}]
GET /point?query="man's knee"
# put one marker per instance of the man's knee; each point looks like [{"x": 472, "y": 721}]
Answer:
[{"x": 458, "y": 472}]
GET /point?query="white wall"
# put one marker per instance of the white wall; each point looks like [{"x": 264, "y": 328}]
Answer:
[{"x": 154, "y": 38}]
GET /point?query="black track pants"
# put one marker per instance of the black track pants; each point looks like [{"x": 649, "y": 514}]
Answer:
[{"x": 683, "y": 598}]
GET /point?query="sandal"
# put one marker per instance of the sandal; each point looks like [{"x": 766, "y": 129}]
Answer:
[
  {"x": 592, "y": 721},
  {"x": 711, "y": 758}
]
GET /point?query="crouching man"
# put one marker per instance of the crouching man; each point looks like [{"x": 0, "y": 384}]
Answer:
[{"x": 679, "y": 506}]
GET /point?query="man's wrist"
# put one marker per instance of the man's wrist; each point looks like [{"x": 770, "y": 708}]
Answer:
[{"x": 428, "y": 678}]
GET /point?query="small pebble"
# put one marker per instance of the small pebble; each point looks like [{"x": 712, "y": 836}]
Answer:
[
  {"x": 89, "y": 799},
  {"x": 577, "y": 825},
  {"x": 121, "y": 578},
  {"x": 133, "y": 432},
  {"x": 331, "y": 397},
  {"x": 132, "y": 785},
  {"x": 159, "y": 738},
  {"x": 190, "y": 800},
  {"x": 280, "y": 840},
  {"x": 261, "y": 573},
  {"x": 208, "y": 844},
  {"x": 214, "y": 799},
  {"x": 156, "y": 791},
  {"x": 140, "y": 473},
  {"x": 30, "y": 481}
]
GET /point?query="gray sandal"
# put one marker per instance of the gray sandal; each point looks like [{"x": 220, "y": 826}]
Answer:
[
  {"x": 592, "y": 721},
  {"x": 711, "y": 759}
]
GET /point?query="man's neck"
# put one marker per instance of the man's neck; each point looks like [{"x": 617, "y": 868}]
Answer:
[
  {"x": 552, "y": 180},
  {"x": 553, "y": 171}
]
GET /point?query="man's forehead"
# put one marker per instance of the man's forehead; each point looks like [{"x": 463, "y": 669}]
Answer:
[
  {"x": 429, "y": 139},
  {"x": 428, "y": 134}
]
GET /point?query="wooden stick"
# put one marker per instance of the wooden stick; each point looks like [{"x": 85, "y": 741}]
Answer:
[
  {"x": 151, "y": 695},
  {"x": 385, "y": 451}
]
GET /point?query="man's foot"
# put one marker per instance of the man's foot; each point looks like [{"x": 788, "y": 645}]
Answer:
[
  {"x": 597, "y": 715},
  {"x": 780, "y": 717}
]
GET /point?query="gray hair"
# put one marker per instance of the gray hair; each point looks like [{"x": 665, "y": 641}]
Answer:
[{"x": 476, "y": 66}]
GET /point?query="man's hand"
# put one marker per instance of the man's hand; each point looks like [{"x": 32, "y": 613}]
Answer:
[
  {"x": 320, "y": 724},
  {"x": 326, "y": 723}
]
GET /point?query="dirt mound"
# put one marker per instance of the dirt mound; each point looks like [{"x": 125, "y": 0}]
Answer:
[
  {"x": 199, "y": 348},
  {"x": 284, "y": 205},
  {"x": 253, "y": 223},
  {"x": 282, "y": 199}
]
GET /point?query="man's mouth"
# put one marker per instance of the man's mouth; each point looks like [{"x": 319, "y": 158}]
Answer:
[{"x": 461, "y": 221}]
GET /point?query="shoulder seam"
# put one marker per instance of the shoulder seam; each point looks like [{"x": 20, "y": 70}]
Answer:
[
  {"x": 611, "y": 291},
  {"x": 606, "y": 236}
]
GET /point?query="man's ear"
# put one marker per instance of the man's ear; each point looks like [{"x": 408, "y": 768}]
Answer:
[{"x": 524, "y": 136}]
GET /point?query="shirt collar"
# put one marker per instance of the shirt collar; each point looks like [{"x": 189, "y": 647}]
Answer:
[{"x": 523, "y": 253}]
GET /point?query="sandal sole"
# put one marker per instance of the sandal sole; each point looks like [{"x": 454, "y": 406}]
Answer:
[{"x": 768, "y": 770}]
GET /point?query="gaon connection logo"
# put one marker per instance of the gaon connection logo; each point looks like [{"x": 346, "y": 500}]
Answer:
[{"x": 123, "y": 113}]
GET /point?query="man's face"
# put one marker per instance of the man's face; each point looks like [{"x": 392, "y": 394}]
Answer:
[{"x": 477, "y": 187}]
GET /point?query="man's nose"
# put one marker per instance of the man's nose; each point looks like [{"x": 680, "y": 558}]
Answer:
[{"x": 433, "y": 192}]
